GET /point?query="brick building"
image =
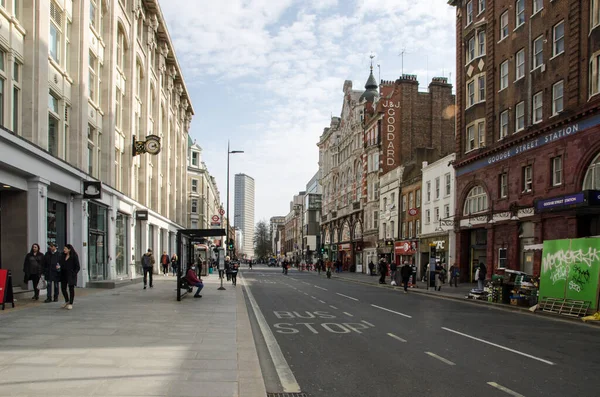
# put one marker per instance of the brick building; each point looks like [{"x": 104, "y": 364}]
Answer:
[{"x": 527, "y": 124}]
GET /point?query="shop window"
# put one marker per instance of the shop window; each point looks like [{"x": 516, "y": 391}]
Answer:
[
  {"x": 121, "y": 235},
  {"x": 502, "y": 258},
  {"x": 476, "y": 201},
  {"x": 57, "y": 223}
]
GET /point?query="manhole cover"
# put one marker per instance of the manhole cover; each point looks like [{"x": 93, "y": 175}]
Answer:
[{"x": 287, "y": 395}]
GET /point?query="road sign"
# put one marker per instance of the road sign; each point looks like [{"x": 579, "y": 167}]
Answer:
[
  {"x": 222, "y": 211},
  {"x": 215, "y": 218}
]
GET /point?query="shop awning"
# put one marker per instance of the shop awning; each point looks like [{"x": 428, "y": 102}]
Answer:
[{"x": 533, "y": 247}]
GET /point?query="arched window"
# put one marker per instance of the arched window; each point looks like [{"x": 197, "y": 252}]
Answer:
[
  {"x": 121, "y": 49},
  {"x": 476, "y": 201},
  {"x": 592, "y": 176},
  {"x": 140, "y": 79}
]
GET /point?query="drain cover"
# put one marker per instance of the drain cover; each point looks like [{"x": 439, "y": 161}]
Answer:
[{"x": 287, "y": 395}]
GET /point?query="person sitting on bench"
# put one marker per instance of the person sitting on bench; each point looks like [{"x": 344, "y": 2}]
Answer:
[{"x": 193, "y": 280}]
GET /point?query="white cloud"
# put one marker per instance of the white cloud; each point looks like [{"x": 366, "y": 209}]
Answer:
[{"x": 287, "y": 61}]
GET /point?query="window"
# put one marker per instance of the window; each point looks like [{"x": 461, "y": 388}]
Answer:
[
  {"x": 393, "y": 201},
  {"x": 428, "y": 191},
  {"x": 469, "y": 12},
  {"x": 481, "y": 80},
  {"x": 520, "y": 10},
  {"x": 119, "y": 109},
  {"x": 538, "y": 52},
  {"x": 417, "y": 228},
  {"x": 140, "y": 80},
  {"x": 118, "y": 170},
  {"x": 520, "y": 64},
  {"x": 557, "y": 171},
  {"x": 502, "y": 258},
  {"x": 537, "y": 5},
  {"x": 385, "y": 231},
  {"x": 537, "y": 107},
  {"x": 503, "y": 185},
  {"x": 527, "y": 178},
  {"x": 96, "y": 16},
  {"x": 437, "y": 187},
  {"x": 2, "y": 81},
  {"x": 448, "y": 184},
  {"x": 92, "y": 150},
  {"x": 503, "y": 75},
  {"x": 594, "y": 76},
  {"x": 56, "y": 17},
  {"x": 503, "y": 124},
  {"x": 385, "y": 204},
  {"x": 121, "y": 49},
  {"x": 418, "y": 198},
  {"x": 93, "y": 78},
  {"x": 481, "y": 6},
  {"x": 194, "y": 185},
  {"x": 195, "y": 157},
  {"x": 470, "y": 139},
  {"x": 410, "y": 230},
  {"x": 68, "y": 46},
  {"x": 16, "y": 99},
  {"x": 594, "y": 14},
  {"x": 471, "y": 51},
  {"x": 436, "y": 214},
  {"x": 411, "y": 200},
  {"x": 446, "y": 211},
  {"x": 53, "y": 125},
  {"x": 476, "y": 201},
  {"x": 194, "y": 206},
  {"x": 520, "y": 116},
  {"x": 427, "y": 217},
  {"x": 504, "y": 25},
  {"x": 375, "y": 219},
  {"x": 481, "y": 36},
  {"x": 592, "y": 176},
  {"x": 557, "y": 98},
  {"x": 403, "y": 229},
  {"x": 471, "y": 93},
  {"x": 16, "y": 10},
  {"x": 481, "y": 134},
  {"x": 558, "y": 34}
]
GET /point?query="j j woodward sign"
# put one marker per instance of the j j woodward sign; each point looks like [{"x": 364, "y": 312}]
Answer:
[{"x": 534, "y": 143}]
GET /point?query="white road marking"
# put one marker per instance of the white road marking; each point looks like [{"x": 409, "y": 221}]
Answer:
[
  {"x": 346, "y": 296},
  {"x": 392, "y": 311},
  {"x": 500, "y": 347},
  {"x": 314, "y": 297},
  {"x": 324, "y": 289},
  {"x": 333, "y": 307},
  {"x": 397, "y": 337},
  {"x": 286, "y": 376},
  {"x": 348, "y": 314},
  {"x": 442, "y": 359},
  {"x": 305, "y": 294},
  {"x": 321, "y": 301},
  {"x": 505, "y": 389},
  {"x": 368, "y": 323}
]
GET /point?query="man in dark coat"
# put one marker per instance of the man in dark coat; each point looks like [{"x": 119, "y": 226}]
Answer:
[
  {"x": 405, "y": 272},
  {"x": 371, "y": 268},
  {"x": 52, "y": 272},
  {"x": 148, "y": 266},
  {"x": 382, "y": 271},
  {"x": 32, "y": 268}
]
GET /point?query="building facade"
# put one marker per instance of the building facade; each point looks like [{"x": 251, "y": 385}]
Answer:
[
  {"x": 435, "y": 203},
  {"x": 243, "y": 217},
  {"x": 80, "y": 79},
  {"x": 204, "y": 200},
  {"x": 311, "y": 219},
  {"x": 527, "y": 125},
  {"x": 276, "y": 224}
]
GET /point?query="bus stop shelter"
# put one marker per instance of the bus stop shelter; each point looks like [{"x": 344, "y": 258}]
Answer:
[{"x": 186, "y": 238}]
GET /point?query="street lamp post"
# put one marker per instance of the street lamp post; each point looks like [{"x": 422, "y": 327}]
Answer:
[{"x": 227, "y": 229}]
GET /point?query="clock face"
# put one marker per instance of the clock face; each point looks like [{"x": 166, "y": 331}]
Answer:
[{"x": 152, "y": 146}]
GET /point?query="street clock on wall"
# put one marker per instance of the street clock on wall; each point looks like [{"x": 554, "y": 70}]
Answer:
[{"x": 152, "y": 144}]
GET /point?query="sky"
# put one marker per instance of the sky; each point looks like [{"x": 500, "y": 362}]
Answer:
[{"x": 267, "y": 75}]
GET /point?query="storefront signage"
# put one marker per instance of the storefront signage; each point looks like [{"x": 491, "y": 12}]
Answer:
[
  {"x": 555, "y": 135},
  {"x": 344, "y": 247},
  {"x": 439, "y": 245},
  {"x": 389, "y": 134},
  {"x": 405, "y": 247},
  {"x": 413, "y": 211},
  {"x": 92, "y": 190},
  {"x": 141, "y": 215},
  {"x": 560, "y": 202}
]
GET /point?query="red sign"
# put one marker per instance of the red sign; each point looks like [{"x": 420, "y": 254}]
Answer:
[
  {"x": 222, "y": 211},
  {"x": 215, "y": 218},
  {"x": 405, "y": 247},
  {"x": 3, "y": 277},
  {"x": 344, "y": 247},
  {"x": 6, "y": 289},
  {"x": 413, "y": 211}
]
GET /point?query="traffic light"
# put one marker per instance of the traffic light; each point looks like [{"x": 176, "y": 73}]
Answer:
[
  {"x": 322, "y": 249},
  {"x": 230, "y": 245}
]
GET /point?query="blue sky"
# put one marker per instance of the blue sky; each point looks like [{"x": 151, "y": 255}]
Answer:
[{"x": 268, "y": 75}]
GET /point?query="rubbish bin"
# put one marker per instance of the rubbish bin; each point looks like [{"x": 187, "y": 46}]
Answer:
[{"x": 210, "y": 270}]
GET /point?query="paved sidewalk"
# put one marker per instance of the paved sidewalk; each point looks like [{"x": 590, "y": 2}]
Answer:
[{"x": 132, "y": 342}]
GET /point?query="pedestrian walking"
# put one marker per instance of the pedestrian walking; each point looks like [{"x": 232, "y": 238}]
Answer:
[
  {"x": 52, "y": 272},
  {"x": 174, "y": 264},
  {"x": 228, "y": 268},
  {"x": 164, "y": 262},
  {"x": 454, "y": 274},
  {"x": 480, "y": 275},
  {"x": 382, "y": 271},
  {"x": 438, "y": 276},
  {"x": 234, "y": 272},
  {"x": 393, "y": 271},
  {"x": 371, "y": 268},
  {"x": 32, "y": 267},
  {"x": 405, "y": 272},
  {"x": 148, "y": 266},
  {"x": 193, "y": 280},
  {"x": 69, "y": 268}
]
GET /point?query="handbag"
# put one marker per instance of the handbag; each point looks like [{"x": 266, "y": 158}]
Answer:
[{"x": 42, "y": 284}]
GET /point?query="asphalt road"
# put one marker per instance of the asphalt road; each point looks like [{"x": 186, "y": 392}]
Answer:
[{"x": 338, "y": 338}]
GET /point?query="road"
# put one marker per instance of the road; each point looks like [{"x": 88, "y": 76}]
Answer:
[{"x": 329, "y": 337}]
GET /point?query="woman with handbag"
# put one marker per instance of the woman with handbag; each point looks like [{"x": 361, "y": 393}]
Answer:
[
  {"x": 174, "y": 264},
  {"x": 69, "y": 267},
  {"x": 32, "y": 267}
]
